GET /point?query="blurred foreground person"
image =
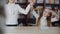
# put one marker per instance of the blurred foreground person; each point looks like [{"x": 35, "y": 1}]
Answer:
[{"x": 47, "y": 18}]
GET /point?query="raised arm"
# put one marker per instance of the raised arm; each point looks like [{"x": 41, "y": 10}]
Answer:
[
  {"x": 34, "y": 14},
  {"x": 24, "y": 11},
  {"x": 56, "y": 16}
]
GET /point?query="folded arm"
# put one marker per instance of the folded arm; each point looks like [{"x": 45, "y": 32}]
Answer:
[
  {"x": 24, "y": 11},
  {"x": 56, "y": 16}
]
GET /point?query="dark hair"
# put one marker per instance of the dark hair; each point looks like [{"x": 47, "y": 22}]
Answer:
[
  {"x": 49, "y": 19},
  {"x": 39, "y": 18}
]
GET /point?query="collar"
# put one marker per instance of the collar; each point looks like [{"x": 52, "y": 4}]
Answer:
[{"x": 11, "y": 3}]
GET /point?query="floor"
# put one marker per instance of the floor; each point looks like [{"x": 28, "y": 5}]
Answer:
[{"x": 26, "y": 30}]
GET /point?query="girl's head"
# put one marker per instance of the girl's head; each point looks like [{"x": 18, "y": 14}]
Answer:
[
  {"x": 11, "y": 1},
  {"x": 46, "y": 13}
]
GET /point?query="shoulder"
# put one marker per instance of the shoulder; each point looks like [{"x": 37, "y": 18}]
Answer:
[
  {"x": 17, "y": 5},
  {"x": 6, "y": 5}
]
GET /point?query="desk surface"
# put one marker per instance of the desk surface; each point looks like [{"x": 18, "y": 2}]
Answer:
[
  {"x": 27, "y": 30},
  {"x": 31, "y": 30}
]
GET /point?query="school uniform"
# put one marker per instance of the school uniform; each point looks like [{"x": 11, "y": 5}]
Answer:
[
  {"x": 12, "y": 10},
  {"x": 34, "y": 14},
  {"x": 55, "y": 22},
  {"x": 43, "y": 22}
]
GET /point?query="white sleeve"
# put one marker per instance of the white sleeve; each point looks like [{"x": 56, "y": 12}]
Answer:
[
  {"x": 54, "y": 19},
  {"x": 34, "y": 14},
  {"x": 24, "y": 11}
]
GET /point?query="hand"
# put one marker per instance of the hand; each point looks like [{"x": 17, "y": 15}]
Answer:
[
  {"x": 53, "y": 13},
  {"x": 32, "y": 2}
]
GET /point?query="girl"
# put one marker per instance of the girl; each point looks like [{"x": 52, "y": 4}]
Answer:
[
  {"x": 11, "y": 11},
  {"x": 46, "y": 19}
]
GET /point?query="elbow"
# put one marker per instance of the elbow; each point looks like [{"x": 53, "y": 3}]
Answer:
[{"x": 25, "y": 13}]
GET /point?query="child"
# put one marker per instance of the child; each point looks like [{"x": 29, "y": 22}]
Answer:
[
  {"x": 47, "y": 17},
  {"x": 11, "y": 11}
]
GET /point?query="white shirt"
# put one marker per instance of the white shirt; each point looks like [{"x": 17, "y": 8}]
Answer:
[
  {"x": 35, "y": 14},
  {"x": 54, "y": 19},
  {"x": 43, "y": 21},
  {"x": 12, "y": 10}
]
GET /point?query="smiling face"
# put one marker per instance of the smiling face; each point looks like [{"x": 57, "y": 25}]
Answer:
[
  {"x": 11, "y": 1},
  {"x": 46, "y": 13}
]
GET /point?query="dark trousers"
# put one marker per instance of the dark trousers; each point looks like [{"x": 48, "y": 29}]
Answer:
[{"x": 56, "y": 23}]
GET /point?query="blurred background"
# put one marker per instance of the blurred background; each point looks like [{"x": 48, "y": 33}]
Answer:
[{"x": 29, "y": 19}]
